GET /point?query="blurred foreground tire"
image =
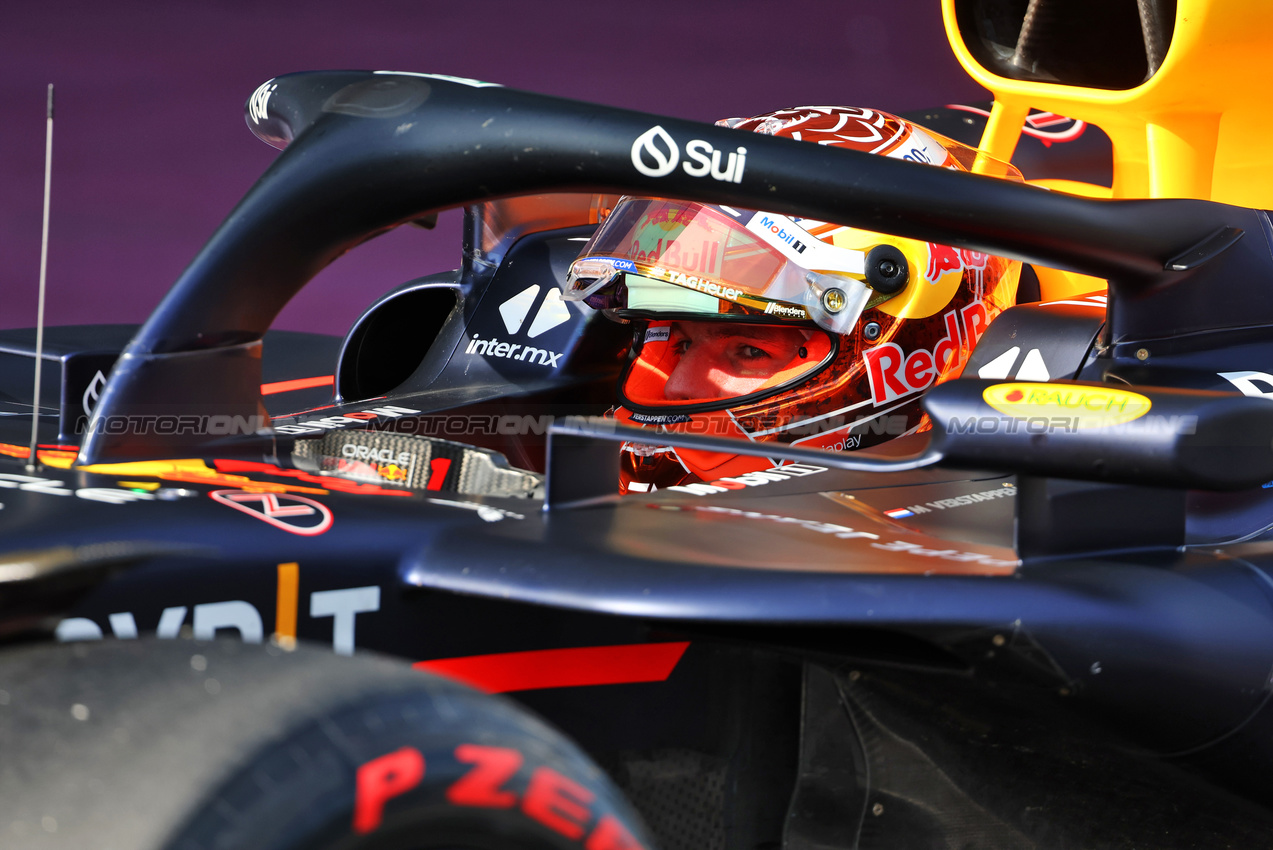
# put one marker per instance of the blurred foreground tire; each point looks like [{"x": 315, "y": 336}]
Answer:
[{"x": 177, "y": 745}]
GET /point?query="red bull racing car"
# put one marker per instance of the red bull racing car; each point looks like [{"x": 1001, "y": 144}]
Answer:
[{"x": 983, "y": 561}]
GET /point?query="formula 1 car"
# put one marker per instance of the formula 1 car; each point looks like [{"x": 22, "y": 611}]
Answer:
[{"x": 1047, "y": 621}]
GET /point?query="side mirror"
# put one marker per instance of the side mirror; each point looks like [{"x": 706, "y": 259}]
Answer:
[{"x": 1099, "y": 432}]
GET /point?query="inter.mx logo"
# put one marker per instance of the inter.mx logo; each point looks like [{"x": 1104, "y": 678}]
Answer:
[{"x": 551, "y": 313}]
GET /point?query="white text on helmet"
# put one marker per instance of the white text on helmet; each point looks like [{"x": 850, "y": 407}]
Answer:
[
  {"x": 893, "y": 373},
  {"x": 776, "y": 309},
  {"x": 708, "y": 286}
]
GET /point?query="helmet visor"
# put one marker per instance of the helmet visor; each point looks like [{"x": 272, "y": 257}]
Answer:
[{"x": 760, "y": 260}]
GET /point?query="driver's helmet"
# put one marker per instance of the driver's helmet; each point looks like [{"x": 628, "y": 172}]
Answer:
[{"x": 760, "y": 325}]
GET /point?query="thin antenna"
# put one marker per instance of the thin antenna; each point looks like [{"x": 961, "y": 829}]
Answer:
[{"x": 44, "y": 268}]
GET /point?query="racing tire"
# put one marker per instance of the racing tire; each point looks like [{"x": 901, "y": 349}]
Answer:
[{"x": 179, "y": 745}]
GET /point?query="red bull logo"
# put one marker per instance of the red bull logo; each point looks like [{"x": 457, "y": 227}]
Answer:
[
  {"x": 677, "y": 238},
  {"x": 893, "y": 373},
  {"x": 703, "y": 258},
  {"x": 943, "y": 259}
]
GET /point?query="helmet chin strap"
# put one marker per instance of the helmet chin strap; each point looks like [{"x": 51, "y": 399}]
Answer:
[{"x": 647, "y": 465}]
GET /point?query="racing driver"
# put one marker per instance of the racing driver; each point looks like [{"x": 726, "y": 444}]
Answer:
[{"x": 773, "y": 328}]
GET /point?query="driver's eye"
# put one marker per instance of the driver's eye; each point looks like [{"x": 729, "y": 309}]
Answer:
[{"x": 751, "y": 352}]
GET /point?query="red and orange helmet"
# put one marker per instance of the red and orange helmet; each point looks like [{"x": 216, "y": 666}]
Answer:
[{"x": 861, "y": 323}]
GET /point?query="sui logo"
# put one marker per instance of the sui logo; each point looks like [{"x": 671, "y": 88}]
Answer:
[
  {"x": 93, "y": 392},
  {"x": 656, "y": 146}
]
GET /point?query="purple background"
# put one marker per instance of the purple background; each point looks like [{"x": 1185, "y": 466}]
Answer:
[{"x": 151, "y": 150}]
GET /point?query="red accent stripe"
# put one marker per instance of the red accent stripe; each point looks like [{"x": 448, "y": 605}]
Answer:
[
  {"x": 562, "y": 668},
  {"x": 298, "y": 384}
]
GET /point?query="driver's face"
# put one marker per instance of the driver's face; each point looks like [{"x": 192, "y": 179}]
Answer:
[{"x": 728, "y": 360}]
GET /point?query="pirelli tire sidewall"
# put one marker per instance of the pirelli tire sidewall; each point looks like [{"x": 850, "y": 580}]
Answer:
[
  {"x": 451, "y": 768},
  {"x": 150, "y": 744}
]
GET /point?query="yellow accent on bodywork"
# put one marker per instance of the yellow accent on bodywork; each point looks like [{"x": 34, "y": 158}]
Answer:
[
  {"x": 1198, "y": 128},
  {"x": 140, "y": 485},
  {"x": 1080, "y": 407}
]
